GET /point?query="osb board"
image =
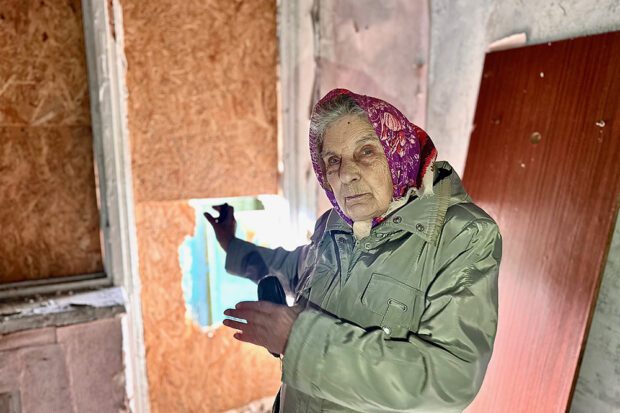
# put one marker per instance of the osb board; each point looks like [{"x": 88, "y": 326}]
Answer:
[
  {"x": 189, "y": 371},
  {"x": 43, "y": 79},
  {"x": 48, "y": 209},
  {"x": 202, "y": 97}
]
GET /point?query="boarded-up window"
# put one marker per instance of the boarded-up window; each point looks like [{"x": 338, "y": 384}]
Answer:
[{"x": 49, "y": 219}]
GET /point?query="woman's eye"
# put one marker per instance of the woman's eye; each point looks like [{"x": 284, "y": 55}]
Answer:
[
  {"x": 367, "y": 151},
  {"x": 332, "y": 161}
]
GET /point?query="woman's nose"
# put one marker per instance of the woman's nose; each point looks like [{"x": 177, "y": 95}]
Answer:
[{"x": 349, "y": 171}]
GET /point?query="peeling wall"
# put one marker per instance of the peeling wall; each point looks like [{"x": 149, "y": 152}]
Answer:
[
  {"x": 48, "y": 207},
  {"x": 374, "y": 48},
  {"x": 371, "y": 47},
  {"x": 73, "y": 369}
]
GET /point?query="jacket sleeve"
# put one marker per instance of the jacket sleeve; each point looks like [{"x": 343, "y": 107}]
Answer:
[
  {"x": 440, "y": 368},
  {"x": 254, "y": 262}
]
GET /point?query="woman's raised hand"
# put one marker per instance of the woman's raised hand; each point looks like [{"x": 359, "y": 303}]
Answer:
[{"x": 224, "y": 225}]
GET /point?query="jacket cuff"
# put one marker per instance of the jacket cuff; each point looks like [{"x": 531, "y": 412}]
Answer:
[
  {"x": 304, "y": 356},
  {"x": 237, "y": 250}
]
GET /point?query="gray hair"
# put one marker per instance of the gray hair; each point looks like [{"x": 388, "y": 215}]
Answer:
[{"x": 333, "y": 110}]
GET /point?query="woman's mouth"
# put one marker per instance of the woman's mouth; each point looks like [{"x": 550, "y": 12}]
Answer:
[{"x": 354, "y": 198}]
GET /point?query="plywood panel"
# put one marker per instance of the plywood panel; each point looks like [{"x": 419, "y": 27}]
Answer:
[
  {"x": 48, "y": 208},
  {"x": 189, "y": 370},
  {"x": 543, "y": 161},
  {"x": 202, "y": 97},
  {"x": 48, "y": 211},
  {"x": 42, "y": 64}
]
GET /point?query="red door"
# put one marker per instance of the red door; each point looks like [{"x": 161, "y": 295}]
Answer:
[{"x": 544, "y": 162}]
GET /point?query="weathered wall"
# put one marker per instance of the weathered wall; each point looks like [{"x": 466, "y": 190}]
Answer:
[
  {"x": 371, "y": 47},
  {"x": 201, "y": 82},
  {"x": 48, "y": 207},
  {"x": 73, "y": 369},
  {"x": 374, "y": 48},
  {"x": 598, "y": 386},
  {"x": 379, "y": 48},
  {"x": 202, "y": 97}
]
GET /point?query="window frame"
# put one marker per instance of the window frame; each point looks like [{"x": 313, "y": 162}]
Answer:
[
  {"x": 106, "y": 68},
  {"x": 106, "y": 71}
]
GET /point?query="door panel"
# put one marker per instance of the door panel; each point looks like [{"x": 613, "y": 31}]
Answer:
[{"x": 543, "y": 161}]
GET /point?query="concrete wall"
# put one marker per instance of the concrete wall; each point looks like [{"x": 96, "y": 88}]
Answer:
[
  {"x": 370, "y": 47},
  {"x": 73, "y": 369},
  {"x": 598, "y": 386}
]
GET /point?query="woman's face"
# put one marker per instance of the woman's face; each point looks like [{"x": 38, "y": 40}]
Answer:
[{"x": 356, "y": 168}]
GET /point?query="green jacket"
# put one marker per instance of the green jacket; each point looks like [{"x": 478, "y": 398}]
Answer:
[{"x": 400, "y": 321}]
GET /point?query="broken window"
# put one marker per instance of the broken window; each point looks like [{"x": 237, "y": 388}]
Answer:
[{"x": 207, "y": 288}]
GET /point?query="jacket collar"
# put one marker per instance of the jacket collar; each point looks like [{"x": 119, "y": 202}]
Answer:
[{"x": 423, "y": 217}]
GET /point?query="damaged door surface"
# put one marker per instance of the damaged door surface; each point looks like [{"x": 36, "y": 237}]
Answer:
[{"x": 543, "y": 160}]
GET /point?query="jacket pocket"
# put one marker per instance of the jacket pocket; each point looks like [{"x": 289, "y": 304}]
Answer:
[{"x": 395, "y": 302}]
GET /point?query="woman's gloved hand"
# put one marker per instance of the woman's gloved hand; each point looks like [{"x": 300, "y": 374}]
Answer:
[
  {"x": 224, "y": 225},
  {"x": 268, "y": 324}
]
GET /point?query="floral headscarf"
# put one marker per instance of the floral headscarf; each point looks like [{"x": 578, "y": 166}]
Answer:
[{"x": 408, "y": 149}]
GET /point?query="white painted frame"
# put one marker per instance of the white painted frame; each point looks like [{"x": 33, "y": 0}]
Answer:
[
  {"x": 108, "y": 97},
  {"x": 111, "y": 150}
]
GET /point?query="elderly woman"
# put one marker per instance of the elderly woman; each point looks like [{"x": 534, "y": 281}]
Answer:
[{"x": 396, "y": 295}]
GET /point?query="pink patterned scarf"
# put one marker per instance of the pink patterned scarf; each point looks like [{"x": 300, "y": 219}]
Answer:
[{"x": 409, "y": 150}]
